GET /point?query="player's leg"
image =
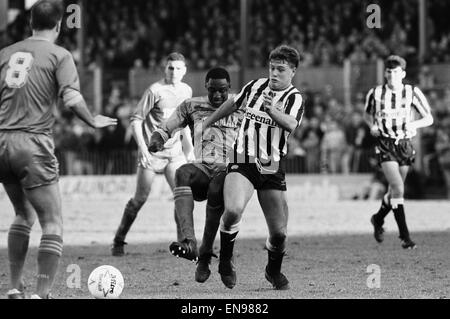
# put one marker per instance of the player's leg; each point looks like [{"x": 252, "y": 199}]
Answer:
[
  {"x": 214, "y": 211},
  {"x": 396, "y": 183},
  {"x": 169, "y": 173},
  {"x": 377, "y": 220},
  {"x": 401, "y": 217},
  {"x": 384, "y": 152},
  {"x": 32, "y": 159},
  {"x": 46, "y": 200},
  {"x": 144, "y": 183},
  {"x": 238, "y": 191},
  {"x": 275, "y": 208},
  {"x": 18, "y": 238},
  {"x": 189, "y": 179}
]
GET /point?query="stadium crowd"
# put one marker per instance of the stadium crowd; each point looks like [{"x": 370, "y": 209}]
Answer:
[{"x": 124, "y": 33}]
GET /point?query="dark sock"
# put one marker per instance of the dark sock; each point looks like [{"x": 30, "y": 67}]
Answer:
[
  {"x": 184, "y": 208},
  {"x": 18, "y": 240},
  {"x": 128, "y": 218},
  {"x": 212, "y": 222},
  {"x": 400, "y": 218},
  {"x": 180, "y": 236},
  {"x": 49, "y": 254},
  {"x": 274, "y": 263},
  {"x": 227, "y": 245},
  {"x": 383, "y": 211}
]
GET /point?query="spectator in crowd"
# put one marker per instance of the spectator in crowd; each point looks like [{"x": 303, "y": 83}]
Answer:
[
  {"x": 443, "y": 153},
  {"x": 359, "y": 142},
  {"x": 310, "y": 142},
  {"x": 333, "y": 147}
]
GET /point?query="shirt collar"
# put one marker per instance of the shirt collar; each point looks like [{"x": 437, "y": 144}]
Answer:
[
  {"x": 38, "y": 38},
  {"x": 398, "y": 91}
]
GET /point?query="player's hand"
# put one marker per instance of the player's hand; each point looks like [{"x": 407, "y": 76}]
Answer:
[
  {"x": 267, "y": 102},
  {"x": 101, "y": 121},
  {"x": 156, "y": 143},
  {"x": 375, "y": 131}
]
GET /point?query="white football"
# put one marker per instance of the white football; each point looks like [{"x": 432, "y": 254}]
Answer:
[{"x": 106, "y": 282}]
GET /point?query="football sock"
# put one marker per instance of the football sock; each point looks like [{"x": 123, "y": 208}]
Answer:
[
  {"x": 276, "y": 244},
  {"x": 128, "y": 218},
  {"x": 212, "y": 222},
  {"x": 227, "y": 241},
  {"x": 18, "y": 240},
  {"x": 180, "y": 236},
  {"x": 275, "y": 259},
  {"x": 384, "y": 210},
  {"x": 49, "y": 254},
  {"x": 400, "y": 218},
  {"x": 184, "y": 208}
]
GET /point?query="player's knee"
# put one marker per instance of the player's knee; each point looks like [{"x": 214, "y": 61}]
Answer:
[
  {"x": 136, "y": 204},
  {"x": 215, "y": 196},
  {"x": 52, "y": 226},
  {"x": 184, "y": 175},
  {"x": 397, "y": 189},
  {"x": 234, "y": 210},
  {"x": 214, "y": 211},
  {"x": 230, "y": 225},
  {"x": 277, "y": 243},
  {"x": 278, "y": 239},
  {"x": 216, "y": 201},
  {"x": 26, "y": 220}
]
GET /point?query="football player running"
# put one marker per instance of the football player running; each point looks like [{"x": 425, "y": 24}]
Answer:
[{"x": 390, "y": 112}]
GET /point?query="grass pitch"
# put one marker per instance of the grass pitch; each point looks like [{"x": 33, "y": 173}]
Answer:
[{"x": 330, "y": 249}]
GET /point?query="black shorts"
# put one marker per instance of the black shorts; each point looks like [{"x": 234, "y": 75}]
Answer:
[
  {"x": 261, "y": 180},
  {"x": 27, "y": 159},
  {"x": 212, "y": 186},
  {"x": 388, "y": 150}
]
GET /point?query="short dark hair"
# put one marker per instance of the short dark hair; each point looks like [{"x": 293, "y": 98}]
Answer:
[
  {"x": 175, "y": 56},
  {"x": 395, "y": 61},
  {"x": 46, "y": 14},
  {"x": 286, "y": 53},
  {"x": 218, "y": 73}
]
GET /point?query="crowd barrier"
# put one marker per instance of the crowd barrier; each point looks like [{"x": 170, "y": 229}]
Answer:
[{"x": 300, "y": 187}]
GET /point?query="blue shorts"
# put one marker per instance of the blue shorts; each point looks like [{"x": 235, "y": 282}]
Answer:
[{"x": 27, "y": 159}]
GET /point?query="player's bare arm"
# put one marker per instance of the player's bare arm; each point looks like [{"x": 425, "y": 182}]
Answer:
[
  {"x": 76, "y": 103},
  {"x": 424, "y": 109},
  {"x": 136, "y": 129},
  {"x": 369, "y": 118},
  {"x": 137, "y": 120},
  {"x": 374, "y": 129}
]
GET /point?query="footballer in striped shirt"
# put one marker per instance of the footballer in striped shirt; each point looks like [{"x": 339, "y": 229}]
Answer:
[
  {"x": 273, "y": 110},
  {"x": 395, "y": 111}
]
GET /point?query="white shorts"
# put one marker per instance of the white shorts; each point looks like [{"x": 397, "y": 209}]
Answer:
[{"x": 159, "y": 161}]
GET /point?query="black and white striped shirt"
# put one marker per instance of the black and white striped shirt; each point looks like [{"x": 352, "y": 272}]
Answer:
[
  {"x": 392, "y": 111},
  {"x": 260, "y": 136}
]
